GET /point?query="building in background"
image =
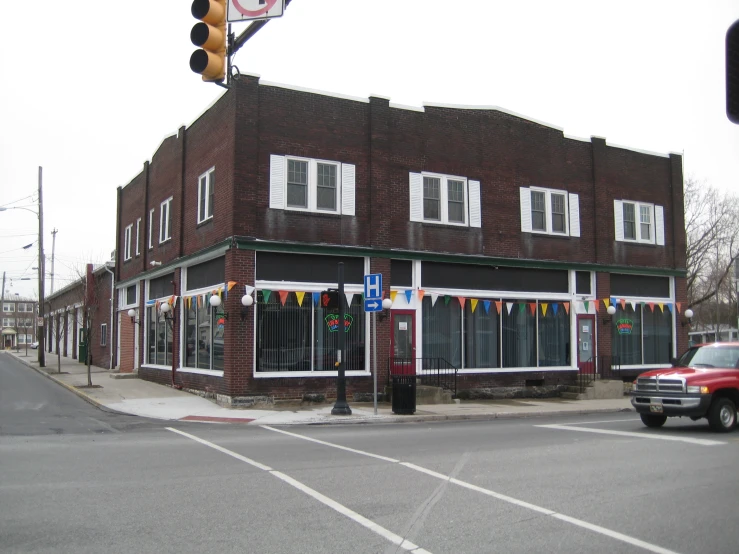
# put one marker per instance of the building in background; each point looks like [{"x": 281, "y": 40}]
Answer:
[
  {"x": 79, "y": 317},
  {"x": 18, "y": 322},
  {"x": 503, "y": 245}
]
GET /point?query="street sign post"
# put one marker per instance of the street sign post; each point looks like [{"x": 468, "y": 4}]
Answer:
[{"x": 373, "y": 303}]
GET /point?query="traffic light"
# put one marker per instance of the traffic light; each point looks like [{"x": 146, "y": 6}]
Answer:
[
  {"x": 732, "y": 73},
  {"x": 210, "y": 35},
  {"x": 329, "y": 300}
]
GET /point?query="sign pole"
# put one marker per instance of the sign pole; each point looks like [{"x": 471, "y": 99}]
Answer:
[{"x": 374, "y": 356}]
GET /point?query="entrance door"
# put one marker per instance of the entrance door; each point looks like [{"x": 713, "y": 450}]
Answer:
[
  {"x": 586, "y": 343},
  {"x": 403, "y": 342}
]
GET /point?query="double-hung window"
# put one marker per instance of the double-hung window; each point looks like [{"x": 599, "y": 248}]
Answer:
[
  {"x": 639, "y": 222},
  {"x": 127, "y": 243},
  {"x": 444, "y": 199},
  {"x": 206, "y": 195},
  {"x": 547, "y": 211},
  {"x": 151, "y": 227},
  {"x": 310, "y": 185},
  {"x": 165, "y": 221},
  {"x": 104, "y": 334}
]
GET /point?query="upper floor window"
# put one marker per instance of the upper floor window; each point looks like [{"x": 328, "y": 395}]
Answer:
[
  {"x": 552, "y": 212},
  {"x": 165, "y": 221},
  {"x": 151, "y": 227},
  {"x": 138, "y": 235},
  {"x": 206, "y": 195},
  {"x": 127, "y": 243},
  {"x": 306, "y": 184},
  {"x": 104, "y": 334},
  {"x": 444, "y": 199},
  {"x": 639, "y": 222},
  {"x": 8, "y": 307}
]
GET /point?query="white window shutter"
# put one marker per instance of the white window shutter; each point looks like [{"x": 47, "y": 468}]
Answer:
[
  {"x": 277, "y": 182},
  {"x": 525, "y": 210},
  {"x": 348, "y": 177},
  {"x": 416, "y": 197},
  {"x": 475, "y": 214},
  {"x": 659, "y": 224},
  {"x": 618, "y": 218},
  {"x": 574, "y": 215}
]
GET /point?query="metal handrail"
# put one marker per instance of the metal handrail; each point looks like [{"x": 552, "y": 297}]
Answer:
[{"x": 435, "y": 371}]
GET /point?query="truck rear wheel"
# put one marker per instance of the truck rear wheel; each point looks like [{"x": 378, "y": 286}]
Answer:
[
  {"x": 652, "y": 420},
  {"x": 722, "y": 415}
]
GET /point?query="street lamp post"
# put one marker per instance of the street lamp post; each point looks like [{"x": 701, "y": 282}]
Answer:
[{"x": 40, "y": 215}]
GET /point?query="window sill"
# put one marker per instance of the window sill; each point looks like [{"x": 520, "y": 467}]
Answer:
[
  {"x": 311, "y": 212},
  {"x": 204, "y": 222},
  {"x": 211, "y": 372},
  {"x": 443, "y": 224},
  {"x": 303, "y": 374},
  {"x": 550, "y": 235},
  {"x": 165, "y": 241},
  {"x": 639, "y": 242},
  {"x": 511, "y": 370}
]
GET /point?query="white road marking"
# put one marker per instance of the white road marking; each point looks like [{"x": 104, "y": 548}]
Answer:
[
  {"x": 340, "y": 508},
  {"x": 604, "y": 421},
  {"x": 362, "y": 452},
  {"x": 521, "y": 503},
  {"x": 653, "y": 436}
]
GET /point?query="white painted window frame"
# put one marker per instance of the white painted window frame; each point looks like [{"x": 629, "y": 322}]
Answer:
[
  {"x": 548, "y": 212},
  {"x": 127, "y": 242},
  {"x": 151, "y": 228},
  {"x": 444, "y": 200},
  {"x": 312, "y": 199},
  {"x": 165, "y": 218},
  {"x": 204, "y": 199},
  {"x": 103, "y": 334},
  {"x": 138, "y": 236},
  {"x": 637, "y": 217}
]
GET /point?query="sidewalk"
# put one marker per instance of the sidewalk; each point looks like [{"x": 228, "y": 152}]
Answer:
[{"x": 147, "y": 399}]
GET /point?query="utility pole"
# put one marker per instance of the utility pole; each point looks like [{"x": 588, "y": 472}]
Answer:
[
  {"x": 2, "y": 307},
  {"x": 41, "y": 272},
  {"x": 53, "y": 249}
]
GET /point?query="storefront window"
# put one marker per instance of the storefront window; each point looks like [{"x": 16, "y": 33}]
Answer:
[
  {"x": 442, "y": 330},
  {"x": 481, "y": 334},
  {"x": 519, "y": 336},
  {"x": 160, "y": 338},
  {"x": 205, "y": 337},
  {"x": 295, "y": 337},
  {"x": 642, "y": 335},
  {"x": 554, "y": 336}
]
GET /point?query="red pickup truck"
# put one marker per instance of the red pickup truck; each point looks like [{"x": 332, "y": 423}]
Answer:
[{"x": 703, "y": 382}]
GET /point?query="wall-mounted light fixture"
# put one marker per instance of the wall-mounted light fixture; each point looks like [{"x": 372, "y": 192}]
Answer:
[
  {"x": 688, "y": 317},
  {"x": 132, "y": 315},
  {"x": 246, "y": 301},
  {"x": 154, "y": 263},
  {"x": 610, "y": 311}
]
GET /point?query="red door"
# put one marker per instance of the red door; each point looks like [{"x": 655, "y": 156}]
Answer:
[
  {"x": 586, "y": 343},
  {"x": 403, "y": 342}
]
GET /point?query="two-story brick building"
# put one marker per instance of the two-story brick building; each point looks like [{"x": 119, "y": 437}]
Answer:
[
  {"x": 502, "y": 242},
  {"x": 18, "y": 321}
]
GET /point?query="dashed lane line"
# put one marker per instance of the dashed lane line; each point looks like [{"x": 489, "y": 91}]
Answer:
[
  {"x": 340, "y": 508},
  {"x": 521, "y": 503}
]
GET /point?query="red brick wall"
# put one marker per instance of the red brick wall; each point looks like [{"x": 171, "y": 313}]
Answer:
[{"x": 127, "y": 344}]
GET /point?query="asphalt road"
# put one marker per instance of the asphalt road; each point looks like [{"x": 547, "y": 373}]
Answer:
[{"x": 76, "y": 479}]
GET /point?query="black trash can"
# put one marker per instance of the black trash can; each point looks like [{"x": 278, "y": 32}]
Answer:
[{"x": 404, "y": 394}]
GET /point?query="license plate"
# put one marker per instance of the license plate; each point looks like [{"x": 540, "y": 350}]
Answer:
[{"x": 656, "y": 408}]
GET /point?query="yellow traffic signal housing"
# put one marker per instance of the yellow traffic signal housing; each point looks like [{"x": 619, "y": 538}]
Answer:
[{"x": 210, "y": 35}]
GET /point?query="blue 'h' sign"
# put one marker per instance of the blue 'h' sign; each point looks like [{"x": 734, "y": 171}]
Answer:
[{"x": 373, "y": 286}]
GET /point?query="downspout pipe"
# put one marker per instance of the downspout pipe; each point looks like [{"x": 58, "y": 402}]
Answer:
[{"x": 112, "y": 306}]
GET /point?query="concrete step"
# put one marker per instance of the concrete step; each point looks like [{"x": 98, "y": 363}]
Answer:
[
  {"x": 597, "y": 390},
  {"x": 573, "y": 396}
]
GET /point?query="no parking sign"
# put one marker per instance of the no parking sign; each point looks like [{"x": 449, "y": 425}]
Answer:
[{"x": 248, "y": 10}]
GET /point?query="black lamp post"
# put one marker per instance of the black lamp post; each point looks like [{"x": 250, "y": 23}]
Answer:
[{"x": 341, "y": 407}]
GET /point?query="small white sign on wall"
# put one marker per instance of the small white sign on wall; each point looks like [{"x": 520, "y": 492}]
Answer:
[{"x": 402, "y": 326}]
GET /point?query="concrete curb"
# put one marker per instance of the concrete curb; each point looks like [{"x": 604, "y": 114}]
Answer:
[{"x": 86, "y": 397}]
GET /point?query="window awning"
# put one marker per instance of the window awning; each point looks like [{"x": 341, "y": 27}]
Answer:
[{"x": 9, "y": 332}]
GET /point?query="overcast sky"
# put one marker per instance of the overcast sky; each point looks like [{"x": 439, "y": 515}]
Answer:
[{"x": 90, "y": 91}]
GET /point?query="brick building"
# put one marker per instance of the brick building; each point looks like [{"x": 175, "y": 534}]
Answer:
[
  {"x": 502, "y": 243},
  {"x": 81, "y": 313},
  {"x": 18, "y": 322}
]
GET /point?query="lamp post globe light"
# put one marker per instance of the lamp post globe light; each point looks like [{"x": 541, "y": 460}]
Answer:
[
  {"x": 387, "y": 304},
  {"x": 611, "y": 310}
]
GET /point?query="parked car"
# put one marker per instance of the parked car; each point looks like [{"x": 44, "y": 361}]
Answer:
[
  {"x": 34, "y": 345},
  {"x": 703, "y": 382}
]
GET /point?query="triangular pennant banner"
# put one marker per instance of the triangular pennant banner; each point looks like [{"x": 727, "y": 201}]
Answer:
[
  {"x": 596, "y": 307},
  {"x": 230, "y": 285},
  {"x": 316, "y": 298},
  {"x": 606, "y": 302},
  {"x": 408, "y": 295},
  {"x": 623, "y": 303},
  {"x": 421, "y": 292},
  {"x": 486, "y": 304},
  {"x": 248, "y": 289},
  {"x": 473, "y": 304},
  {"x": 499, "y": 306},
  {"x": 633, "y": 306},
  {"x": 532, "y": 308},
  {"x": 461, "y": 301},
  {"x": 266, "y": 293},
  {"x": 555, "y": 307},
  {"x": 669, "y": 306},
  {"x": 349, "y": 298},
  {"x": 679, "y": 306},
  {"x": 393, "y": 294},
  {"x": 283, "y": 296},
  {"x": 651, "y": 306},
  {"x": 587, "y": 306},
  {"x": 433, "y": 299},
  {"x": 522, "y": 307},
  {"x": 566, "y": 306},
  {"x": 509, "y": 306},
  {"x": 447, "y": 298},
  {"x": 300, "y": 295},
  {"x": 544, "y": 307},
  {"x": 661, "y": 307}
]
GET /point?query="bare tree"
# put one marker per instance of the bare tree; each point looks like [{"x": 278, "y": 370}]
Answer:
[{"x": 712, "y": 230}]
